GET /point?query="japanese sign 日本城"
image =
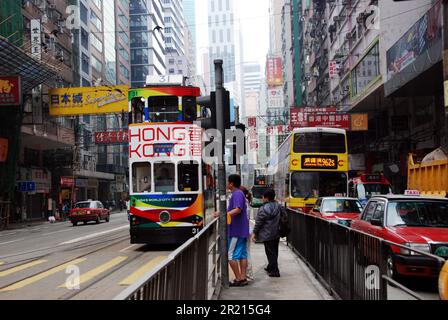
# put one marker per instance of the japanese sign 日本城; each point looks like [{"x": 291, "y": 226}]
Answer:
[{"x": 88, "y": 100}]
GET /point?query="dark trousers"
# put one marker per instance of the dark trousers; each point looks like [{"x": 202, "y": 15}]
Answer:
[{"x": 271, "y": 249}]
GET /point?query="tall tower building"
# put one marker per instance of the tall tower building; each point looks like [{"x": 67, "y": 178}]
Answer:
[
  {"x": 147, "y": 40},
  {"x": 190, "y": 24},
  {"x": 221, "y": 24}
]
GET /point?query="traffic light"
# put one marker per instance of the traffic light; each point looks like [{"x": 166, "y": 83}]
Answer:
[{"x": 208, "y": 111}]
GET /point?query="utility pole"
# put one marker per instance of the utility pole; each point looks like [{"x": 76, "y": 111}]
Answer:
[
  {"x": 222, "y": 185},
  {"x": 237, "y": 123}
]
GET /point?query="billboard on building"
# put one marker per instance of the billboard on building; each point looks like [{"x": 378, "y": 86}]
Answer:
[
  {"x": 299, "y": 116},
  {"x": 10, "y": 91},
  {"x": 112, "y": 137},
  {"x": 88, "y": 100},
  {"x": 275, "y": 98},
  {"x": 415, "y": 42},
  {"x": 274, "y": 72},
  {"x": 340, "y": 121}
]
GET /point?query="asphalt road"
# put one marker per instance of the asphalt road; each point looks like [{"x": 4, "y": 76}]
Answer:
[{"x": 62, "y": 262}]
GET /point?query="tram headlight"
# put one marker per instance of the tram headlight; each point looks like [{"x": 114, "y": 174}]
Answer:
[{"x": 165, "y": 217}]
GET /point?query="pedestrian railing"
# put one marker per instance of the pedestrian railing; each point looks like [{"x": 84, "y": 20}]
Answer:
[
  {"x": 352, "y": 265},
  {"x": 5, "y": 212},
  {"x": 192, "y": 272}
]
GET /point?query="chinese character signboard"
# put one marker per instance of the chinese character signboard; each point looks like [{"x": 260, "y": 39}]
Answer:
[
  {"x": 26, "y": 186},
  {"x": 275, "y": 98},
  {"x": 253, "y": 140},
  {"x": 67, "y": 182},
  {"x": 320, "y": 162},
  {"x": 332, "y": 68},
  {"x": 340, "y": 121},
  {"x": 10, "y": 91},
  {"x": 252, "y": 122},
  {"x": 88, "y": 100},
  {"x": 274, "y": 72},
  {"x": 36, "y": 39},
  {"x": 3, "y": 149},
  {"x": 299, "y": 116},
  {"x": 111, "y": 137}
]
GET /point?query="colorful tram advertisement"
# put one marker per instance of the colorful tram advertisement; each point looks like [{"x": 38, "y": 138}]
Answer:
[
  {"x": 170, "y": 187},
  {"x": 311, "y": 163}
]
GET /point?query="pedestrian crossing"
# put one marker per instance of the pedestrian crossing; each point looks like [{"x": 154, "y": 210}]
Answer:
[{"x": 96, "y": 272}]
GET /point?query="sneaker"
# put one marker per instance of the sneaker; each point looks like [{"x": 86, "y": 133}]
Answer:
[{"x": 244, "y": 282}]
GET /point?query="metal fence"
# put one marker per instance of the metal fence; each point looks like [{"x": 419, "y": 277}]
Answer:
[
  {"x": 192, "y": 272},
  {"x": 351, "y": 264},
  {"x": 5, "y": 212}
]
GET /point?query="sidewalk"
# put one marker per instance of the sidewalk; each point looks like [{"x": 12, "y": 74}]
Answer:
[{"x": 296, "y": 281}]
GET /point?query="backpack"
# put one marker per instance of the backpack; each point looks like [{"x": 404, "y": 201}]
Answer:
[{"x": 283, "y": 224}]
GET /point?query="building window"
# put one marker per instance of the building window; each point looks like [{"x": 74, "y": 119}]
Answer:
[{"x": 366, "y": 71}]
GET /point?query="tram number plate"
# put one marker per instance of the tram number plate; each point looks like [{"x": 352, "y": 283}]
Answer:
[{"x": 163, "y": 148}]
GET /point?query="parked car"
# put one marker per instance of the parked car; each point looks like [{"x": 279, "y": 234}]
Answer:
[
  {"x": 420, "y": 223},
  {"x": 337, "y": 209},
  {"x": 89, "y": 211}
]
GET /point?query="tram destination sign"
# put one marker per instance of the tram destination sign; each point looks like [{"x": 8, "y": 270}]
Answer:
[{"x": 319, "y": 162}]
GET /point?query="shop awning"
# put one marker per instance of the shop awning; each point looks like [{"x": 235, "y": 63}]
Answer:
[{"x": 15, "y": 61}]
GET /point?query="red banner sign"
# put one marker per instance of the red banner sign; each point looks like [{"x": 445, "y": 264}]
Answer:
[
  {"x": 3, "y": 149},
  {"x": 340, "y": 121},
  {"x": 67, "y": 182},
  {"x": 252, "y": 122},
  {"x": 111, "y": 137},
  {"x": 299, "y": 116},
  {"x": 10, "y": 91},
  {"x": 274, "y": 72}
]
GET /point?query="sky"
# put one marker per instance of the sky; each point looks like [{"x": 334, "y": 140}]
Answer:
[{"x": 254, "y": 17}]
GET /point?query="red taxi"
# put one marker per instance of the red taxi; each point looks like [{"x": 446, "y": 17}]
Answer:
[
  {"x": 420, "y": 223},
  {"x": 88, "y": 211},
  {"x": 338, "y": 209},
  {"x": 368, "y": 185}
]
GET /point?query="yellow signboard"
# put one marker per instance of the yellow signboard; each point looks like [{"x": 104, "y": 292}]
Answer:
[{"x": 88, "y": 100}]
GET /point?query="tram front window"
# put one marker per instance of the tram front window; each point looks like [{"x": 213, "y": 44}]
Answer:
[
  {"x": 318, "y": 184},
  {"x": 164, "y": 177},
  {"x": 141, "y": 177},
  {"x": 163, "y": 109},
  {"x": 188, "y": 176}
]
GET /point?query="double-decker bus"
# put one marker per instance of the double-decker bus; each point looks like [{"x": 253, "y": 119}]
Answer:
[
  {"x": 170, "y": 186},
  {"x": 311, "y": 163},
  {"x": 261, "y": 184}
]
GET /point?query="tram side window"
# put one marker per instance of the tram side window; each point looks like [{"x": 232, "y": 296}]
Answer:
[
  {"x": 188, "y": 176},
  {"x": 189, "y": 108},
  {"x": 141, "y": 177},
  {"x": 163, "y": 109},
  {"x": 137, "y": 110},
  {"x": 164, "y": 177}
]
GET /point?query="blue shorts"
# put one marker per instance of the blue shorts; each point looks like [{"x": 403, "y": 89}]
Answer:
[{"x": 237, "y": 248}]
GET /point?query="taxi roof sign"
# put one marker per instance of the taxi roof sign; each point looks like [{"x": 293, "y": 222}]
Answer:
[{"x": 412, "y": 193}]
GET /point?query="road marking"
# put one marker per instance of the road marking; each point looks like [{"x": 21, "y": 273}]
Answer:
[
  {"x": 94, "y": 235},
  {"x": 141, "y": 272},
  {"x": 41, "y": 276},
  {"x": 21, "y": 268},
  {"x": 127, "y": 248},
  {"x": 98, "y": 270},
  {"x": 12, "y": 241}
]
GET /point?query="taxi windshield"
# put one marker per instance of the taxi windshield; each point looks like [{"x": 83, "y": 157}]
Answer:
[
  {"x": 83, "y": 205},
  {"x": 418, "y": 214},
  {"x": 341, "y": 206},
  {"x": 366, "y": 191}
]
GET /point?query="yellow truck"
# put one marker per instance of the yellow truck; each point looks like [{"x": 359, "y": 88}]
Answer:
[{"x": 430, "y": 176}]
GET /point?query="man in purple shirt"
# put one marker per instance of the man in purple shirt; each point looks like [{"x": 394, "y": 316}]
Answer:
[{"x": 238, "y": 232}]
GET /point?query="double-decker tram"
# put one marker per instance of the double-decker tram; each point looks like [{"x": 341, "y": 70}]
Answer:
[
  {"x": 311, "y": 163},
  {"x": 170, "y": 186}
]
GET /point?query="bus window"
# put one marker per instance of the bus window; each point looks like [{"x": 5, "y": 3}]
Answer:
[
  {"x": 188, "y": 176},
  {"x": 164, "y": 177},
  {"x": 141, "y": 177},
  {"x": 318, "y": 184},
  {"x": 163, "y": 109},
  {"x": 137, "y": 110},
  {"x": 189, "y": 108},
  {"x": 319, "y": 142}
]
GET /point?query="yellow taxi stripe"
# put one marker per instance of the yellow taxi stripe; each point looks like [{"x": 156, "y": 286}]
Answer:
[
  {"x": 41, "y": 276},
  {"x": 21, "y": 268},
  {"x": 141, "y": 271},
  {"x": 98, "y": 270}
]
